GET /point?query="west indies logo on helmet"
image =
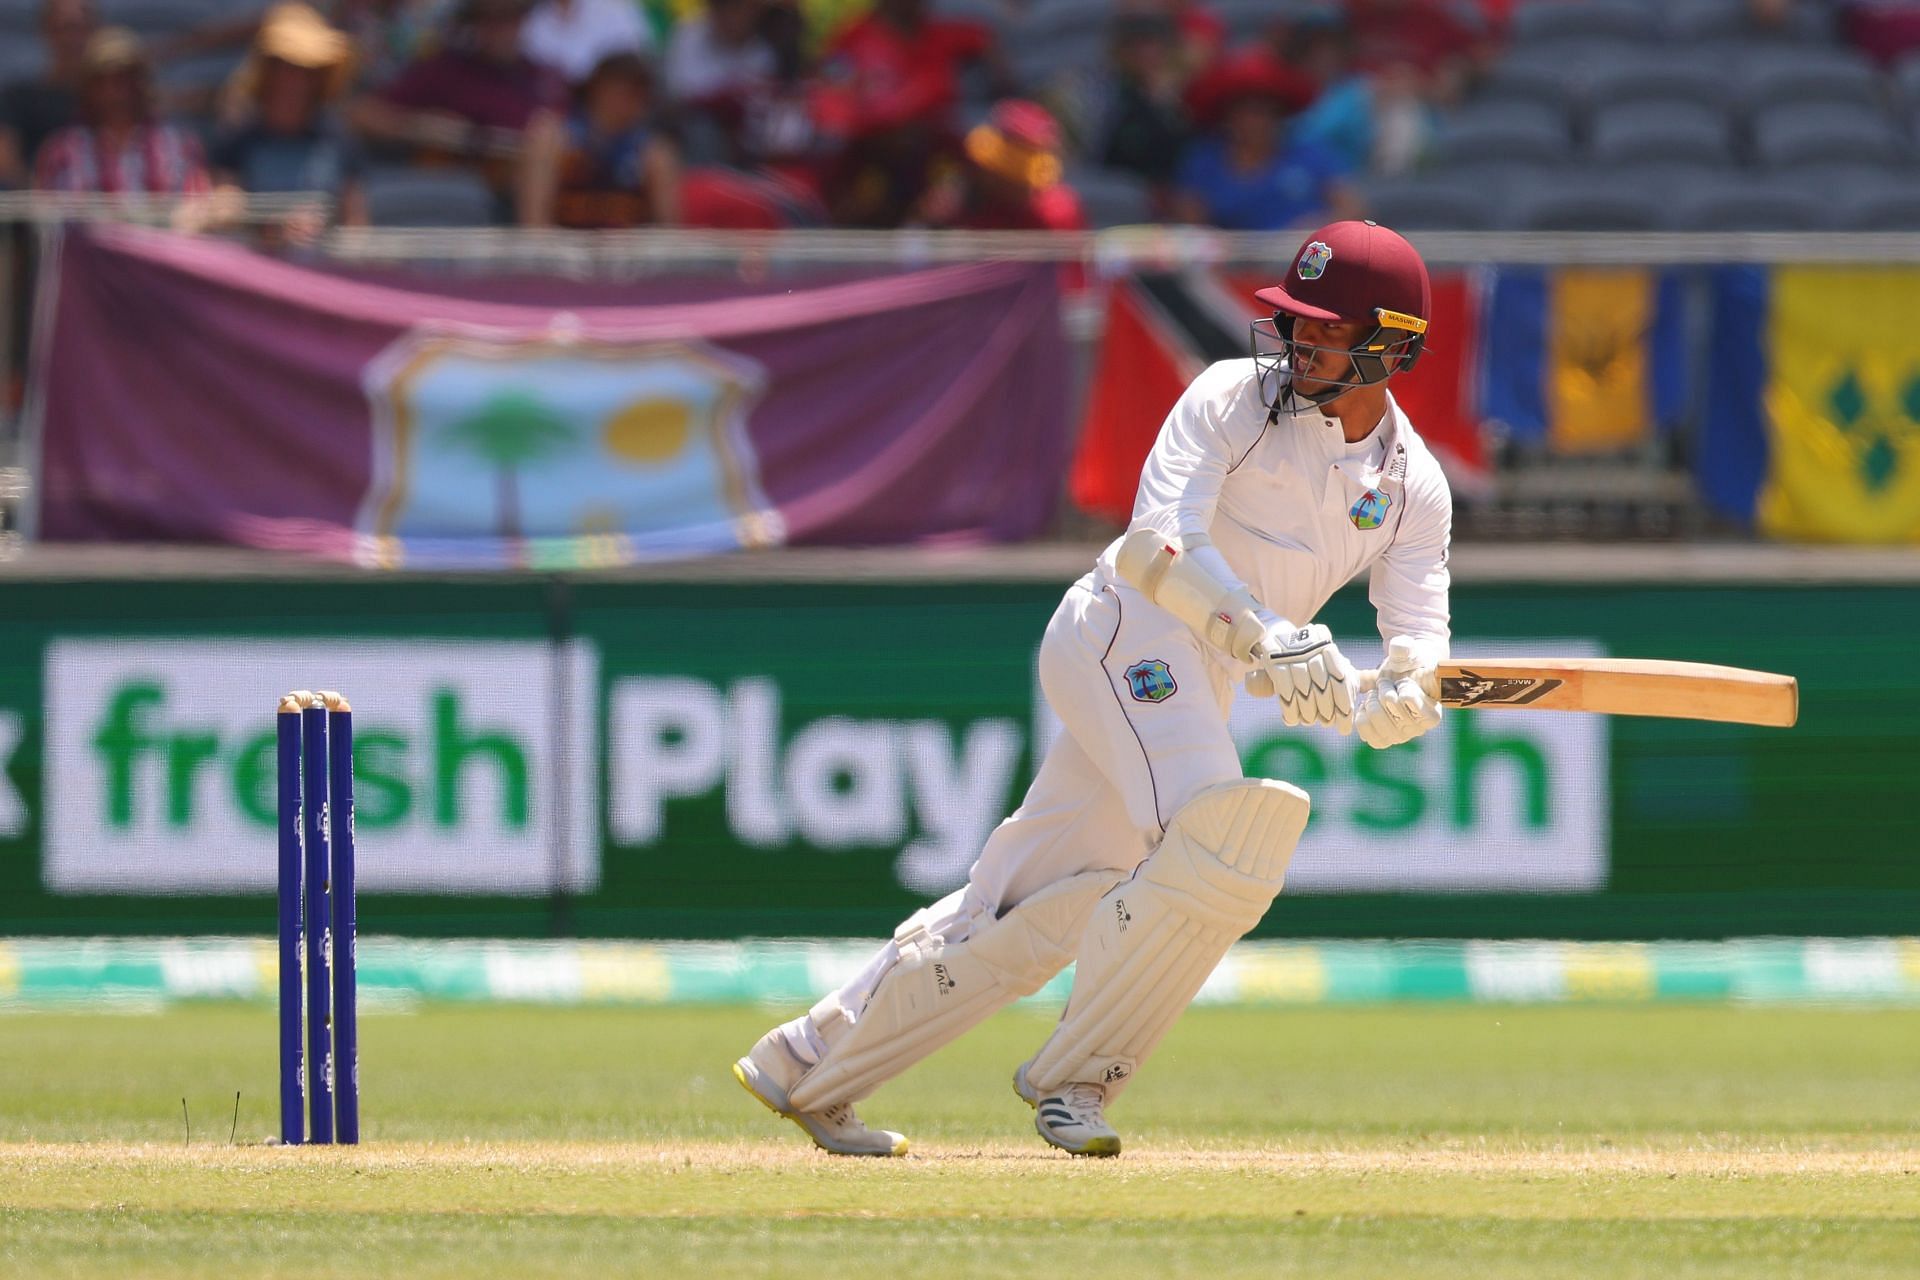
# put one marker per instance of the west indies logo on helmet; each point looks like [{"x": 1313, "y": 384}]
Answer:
[{"x": 1356, "y": 272}]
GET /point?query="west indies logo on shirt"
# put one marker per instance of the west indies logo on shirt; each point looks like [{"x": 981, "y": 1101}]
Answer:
[
  {"x": 1313, "y": 260},
  {"x": 1370, "y": 512},
  {"x": 1151, "y": 681}
]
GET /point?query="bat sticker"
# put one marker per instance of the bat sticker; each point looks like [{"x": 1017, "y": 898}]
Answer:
[{"x": 1469, "y": 689}]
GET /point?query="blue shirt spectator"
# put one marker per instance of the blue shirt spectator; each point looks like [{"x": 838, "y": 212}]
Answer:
[
  {"x": 1249, "y": 171},
  {"x": 1297, "y": 184}
]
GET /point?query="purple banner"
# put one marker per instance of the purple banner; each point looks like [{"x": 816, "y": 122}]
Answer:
[{"x": 192, "y": 390}]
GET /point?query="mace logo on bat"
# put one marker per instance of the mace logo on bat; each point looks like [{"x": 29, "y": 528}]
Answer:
[{"x": 1469, "y": 689}]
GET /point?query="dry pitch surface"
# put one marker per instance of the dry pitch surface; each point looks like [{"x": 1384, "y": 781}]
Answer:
[{"x": 1328, "y": 1143}]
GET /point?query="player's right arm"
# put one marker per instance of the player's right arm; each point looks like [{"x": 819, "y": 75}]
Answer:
[{"x": 1169, "y": 557}]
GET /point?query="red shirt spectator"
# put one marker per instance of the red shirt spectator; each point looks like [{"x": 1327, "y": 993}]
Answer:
[
  {"x": 481, "y": 80},
  {"x": 896, "y": 66},
  {"x": 119, "y": 147},
  {"x": 484, "y": 93},
  {"x": 1011, "y": 179},
  {"x": 1416, "y": 33}
]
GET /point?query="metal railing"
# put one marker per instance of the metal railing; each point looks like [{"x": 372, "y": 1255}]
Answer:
[{"x": 1645, "y": 495}]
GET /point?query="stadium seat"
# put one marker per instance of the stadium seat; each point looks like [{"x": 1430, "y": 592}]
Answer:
[
  {"x": 1777, "y": 75},
  {"x": 1049, "y": 19},
  {"x": 1604, "y": 19},
  {"x": 1657, "y": 75},
  {"x": 21, "y": 57},
  {"x": 1252, "y": 19},
  {"x": 1665, "y": 184},
  {"x": 1111, "y": 197},
  {"x": 152, "y": 18},
  {"x": 1751, "y": 204},
  {"x": 1038, "y": 61},
  {"x": 1506, "y": 132},
  {"x": 1893, "y": 207},
  {"x": 1906, "y": 79},
  {"x": 1583, "y": 201},
  {"x": 988, "y": 13},
  {"x": 1687, "y": 21},
  {"x": 1433, "y": 203},
  {"x": 399, "y": 197},
  {"x": 1802, "y": 134},
  {"x": 1678, "y": 132},
  {"x": 199, "y": 73},
  {"x": 1529, "y": 76}
]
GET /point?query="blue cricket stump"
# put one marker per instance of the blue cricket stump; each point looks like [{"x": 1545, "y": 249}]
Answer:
[
  {"x": 320, "y": 1079},
  {"x": 346, "y": 1021},
  {"x": 293, "y": 1085},
  {"x": 315, "y": 823}
]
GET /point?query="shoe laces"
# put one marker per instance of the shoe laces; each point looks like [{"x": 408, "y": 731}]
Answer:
[{"x": 1085, "y": 1098}]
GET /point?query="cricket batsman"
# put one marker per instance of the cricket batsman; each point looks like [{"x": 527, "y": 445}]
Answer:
[{"x": 1141, "y": 851}]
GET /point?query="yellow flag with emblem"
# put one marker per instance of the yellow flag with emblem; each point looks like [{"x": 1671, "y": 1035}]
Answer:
[
  {"x": 1598, "y": 389},
  {"x": 1843, "y": 406}
]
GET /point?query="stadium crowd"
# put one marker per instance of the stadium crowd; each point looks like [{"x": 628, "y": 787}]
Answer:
[
  {"x": 976, "y": 114},
  {"x": 748, "y": 113}
]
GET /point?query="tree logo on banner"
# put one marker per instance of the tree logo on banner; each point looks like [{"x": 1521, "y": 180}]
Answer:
[
  {"x": 511, "y": 431},
  {"x": 560, "y": 450}
]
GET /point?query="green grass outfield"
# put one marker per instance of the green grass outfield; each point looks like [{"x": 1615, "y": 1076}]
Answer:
[{"x": 1480, "y": 1141}]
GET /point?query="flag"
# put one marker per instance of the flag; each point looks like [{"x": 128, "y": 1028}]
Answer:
[
  {"x": 1585, "y": 360},
  {"x": 1813, "y": 427},
  {"x": 1145, "y": 362},
  {"x": 1163, "y": 328}
]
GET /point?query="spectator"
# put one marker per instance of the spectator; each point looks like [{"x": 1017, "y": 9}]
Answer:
[
  {"x": 292, "y": 141},
  {"x": 720, "y": 67},
  {"x": 31, "y": 111},
  {"x": 386, "y": 35},
  {"x": 1884, "y": 30},
  {"x": 1437, "y": 45},
  {"x": 892, "y": 81},
  {"x": 1010, "y": 180},
  {"x": 1245, "y": 174},
  {"x": 119, "y": 146},
  {"x": 1377, "y": 122},
  {"x": 1203, "y": 33},
  {"x": 471, "y": 102},
  {"x": 1145, "y": 124},
  {"x": 574, "y": 36},
  {"x": 609, "y": 164}
]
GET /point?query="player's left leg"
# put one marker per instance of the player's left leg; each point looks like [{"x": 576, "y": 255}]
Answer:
[
  {"x": 1151, "y": 944},
  {"x": 950, "y": 966}
]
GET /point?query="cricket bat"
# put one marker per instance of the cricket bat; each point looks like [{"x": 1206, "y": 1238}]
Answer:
[
  {"x": 1162, "y": 571},
  {"x": 1624, "y": 687}
]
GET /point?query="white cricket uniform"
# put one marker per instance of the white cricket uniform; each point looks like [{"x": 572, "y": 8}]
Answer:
[
  {"x": 1293, "y": 512},
  {"x": 1283, "y": 498}
]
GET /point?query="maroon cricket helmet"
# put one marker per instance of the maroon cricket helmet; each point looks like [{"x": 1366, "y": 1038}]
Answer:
[{"x": 1360, "y": 272}]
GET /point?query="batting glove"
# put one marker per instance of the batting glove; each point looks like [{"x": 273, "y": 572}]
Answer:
[{"x": 1404, "y": 701}]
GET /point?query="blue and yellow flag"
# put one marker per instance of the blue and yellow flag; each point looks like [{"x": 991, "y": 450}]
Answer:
[
  {"x": 1812, "y": 430},
  {"x": 1585, "y": 360}
]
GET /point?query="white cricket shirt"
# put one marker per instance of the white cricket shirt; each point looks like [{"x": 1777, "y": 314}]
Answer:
[{"x": 1294, "y": 512}]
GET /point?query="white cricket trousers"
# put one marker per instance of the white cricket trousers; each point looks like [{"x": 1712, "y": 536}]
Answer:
[{"x": 1144, "y": 709}]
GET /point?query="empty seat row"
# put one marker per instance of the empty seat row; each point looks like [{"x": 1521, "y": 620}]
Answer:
[
  {"x": 1777, "y": 137},
  {"x": 1573, "y": 198},
  {"x": 1737, "y": 76},
  {"x": 1647, "y": 20}
]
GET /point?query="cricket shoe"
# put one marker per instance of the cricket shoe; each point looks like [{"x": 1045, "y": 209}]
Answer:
[
  {"x": 1070, "y": 1118},
  {"x": 769, "y": 1070}
]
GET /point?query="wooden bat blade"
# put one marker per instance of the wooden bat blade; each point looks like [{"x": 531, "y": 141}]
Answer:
[{"x": 1624, "y": 687}]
